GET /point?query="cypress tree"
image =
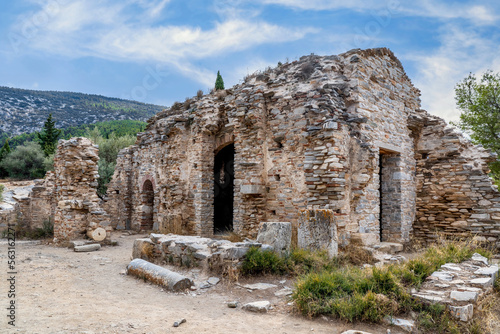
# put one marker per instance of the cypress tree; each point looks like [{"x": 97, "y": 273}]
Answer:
[
  {"x": 5, "y": 149},
  {"x": 219, "y": 83},
  {"x": 48, "y": 136}
]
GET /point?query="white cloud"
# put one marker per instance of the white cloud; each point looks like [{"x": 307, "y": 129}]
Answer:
[
  {"x": 478, "y": 14},
  {"x": 103, "y": 29},
  {"x": 461, "y": 52}
]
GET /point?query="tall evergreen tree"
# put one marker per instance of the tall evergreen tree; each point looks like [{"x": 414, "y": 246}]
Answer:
[
  {"x": 219, "y": 83},
  {"x": 48, "y": 136},
  {"x": 5, "y": 149}
]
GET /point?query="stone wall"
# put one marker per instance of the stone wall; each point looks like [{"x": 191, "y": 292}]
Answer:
[
  {"x": 307, "y": 135},
  {"x": 455, "y": 195},
  {"x": 78, "y": 210}
]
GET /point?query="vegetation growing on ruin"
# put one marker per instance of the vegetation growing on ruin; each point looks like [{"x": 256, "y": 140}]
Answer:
[
  {"x": 108, "y": 153},
  {"x": 351, "y": 293},
  {"x": 2, "y": 188},
  {"x": 479, "y": 102},
  {"x": 342, "y": 289}
]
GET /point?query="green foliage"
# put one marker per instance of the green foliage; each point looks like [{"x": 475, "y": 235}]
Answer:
[
  {"x": 263, "y": 262},
  {"x": 4, "y": 151},
  {"x": 2, "y": 188},
  {"x": 351, "y": 293},
  {"x": 49, "y": 136},
  {"x": 108, "y": 153},
  {"x": 479, "y": 101},
  {"x": 219, "y": 83},
  {"x": 119, "y": 128},
  {"x": 25, "y": 162}
]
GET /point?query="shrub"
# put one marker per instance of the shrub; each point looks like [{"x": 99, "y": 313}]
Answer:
[
  {"x": 258, "y": 261},
  {"x": 2, "y": 188},
  {"x": 25, "y": 162}
]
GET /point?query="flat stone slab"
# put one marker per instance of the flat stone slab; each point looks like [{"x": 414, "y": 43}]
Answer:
[
  {"x": 483, "y": 282},
  {"x": 432, "y": 299},
  {"x": 479, "y": 258},
  {"x": 490, "y": 271},
  {"x": 406, "y": 325},
  {"x": 390, "y": 247},
  {"x": 451, "y": 266},
  {"x": 213, "y": 280},
  {"x": 283, "y": 292},
  {"x": 442, "y": 276},
  {"x": 464, "y": 296},
  {"x": 259, "y": 307},
  {"x": 464, "y": 313},
  {"x": 259, "y": 286}
]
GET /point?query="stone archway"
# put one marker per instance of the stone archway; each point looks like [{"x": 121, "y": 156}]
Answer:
[
  {"x": 148, "y": 200},
  {"x": 223, "y": 189}
]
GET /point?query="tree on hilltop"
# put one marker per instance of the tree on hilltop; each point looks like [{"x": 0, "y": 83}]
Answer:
[
  {"x": 219, "y": 83},
  {"x": 49, "y": 136}
]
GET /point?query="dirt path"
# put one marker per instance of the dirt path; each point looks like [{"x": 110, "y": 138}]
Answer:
[{"x": 60, "y": 291}]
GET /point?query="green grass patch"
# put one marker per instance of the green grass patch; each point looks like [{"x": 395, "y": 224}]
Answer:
[{"x": 350, "y": 293}]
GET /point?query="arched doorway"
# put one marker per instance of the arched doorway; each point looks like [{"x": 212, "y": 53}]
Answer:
[
  {"x": 223, "y": 189},
  {"x": 148, "y": 201}
]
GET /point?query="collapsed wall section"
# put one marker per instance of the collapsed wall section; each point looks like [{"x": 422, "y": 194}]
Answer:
[
  {"x": 455, "y": 195},
  {"x": 78, "y": 210}
]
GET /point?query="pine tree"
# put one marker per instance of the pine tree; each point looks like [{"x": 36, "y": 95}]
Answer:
[
  {"x": 219, "y": 83},
  {"x": 5, "y": 149},
  {"x": 48, "y": 136}
]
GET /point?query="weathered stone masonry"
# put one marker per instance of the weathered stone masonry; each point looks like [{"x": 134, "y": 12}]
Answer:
[
  {"x": 335, "y": 133},
  {"x": 342, "y": 138}
]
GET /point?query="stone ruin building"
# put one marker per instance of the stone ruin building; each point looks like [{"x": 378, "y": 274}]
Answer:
[
  {"x": 337, "y": 146},
  {"x": 339, "y": 133}
]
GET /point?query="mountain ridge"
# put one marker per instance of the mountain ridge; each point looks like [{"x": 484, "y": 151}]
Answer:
[{"x": 25, "y": 110}]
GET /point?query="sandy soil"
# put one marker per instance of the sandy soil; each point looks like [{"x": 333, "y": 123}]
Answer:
[{"x": 60, "y": 291}]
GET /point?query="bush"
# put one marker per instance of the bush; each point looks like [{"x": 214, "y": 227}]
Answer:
[
  {"x": 2, "y": 188},
  {"x": 263, "y": 262},
  {"x": 25, "y": 162}
]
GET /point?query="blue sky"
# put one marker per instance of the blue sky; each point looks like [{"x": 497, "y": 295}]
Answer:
[{"x": 162, "y": 51}]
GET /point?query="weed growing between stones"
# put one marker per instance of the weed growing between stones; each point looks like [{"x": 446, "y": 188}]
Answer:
[{"x": 351, "y": 293}]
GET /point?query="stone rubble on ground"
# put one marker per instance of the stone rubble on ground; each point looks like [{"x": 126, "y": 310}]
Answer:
[
  {"x": 258, "y": 286},
  {"x": 259, "y": 306},
  {"x": 406, "y": 325},
  {"x": 192, "y": 251}
]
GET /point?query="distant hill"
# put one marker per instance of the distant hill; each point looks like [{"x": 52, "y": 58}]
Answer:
[
  {"x": 25, "y": 111},
  {"x": 119, "y": 128}
]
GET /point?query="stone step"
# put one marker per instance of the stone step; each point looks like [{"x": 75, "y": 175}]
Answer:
[{"x": 390, "y": 247}]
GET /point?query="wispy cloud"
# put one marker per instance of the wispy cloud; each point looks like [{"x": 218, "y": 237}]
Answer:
[
  {"x": 103, "y": 29},
  {"x": 478, "y": 14},
  {"x": 462, "y": 51}
]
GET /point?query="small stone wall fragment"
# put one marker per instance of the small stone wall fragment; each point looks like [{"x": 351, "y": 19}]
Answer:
[
  {"x": 276, "y": 234},
  {"x": 317, "y": 230},
  {"x": 158, "y": 275}
]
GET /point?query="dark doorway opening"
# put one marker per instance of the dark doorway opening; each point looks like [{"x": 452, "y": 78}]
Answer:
[
  {"x": 148, "y": 201},
  {"x": 223, "y": 190}
]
